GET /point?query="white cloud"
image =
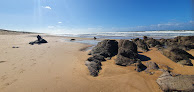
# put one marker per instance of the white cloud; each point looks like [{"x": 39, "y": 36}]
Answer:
[
  {"x": 50, "y": 27},
  {"x": 47, "y": 7},
  {"x": 60, "y": 22}
]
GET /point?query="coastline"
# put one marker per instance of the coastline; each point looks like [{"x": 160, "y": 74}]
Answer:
[{"x": 60, "y": 66}]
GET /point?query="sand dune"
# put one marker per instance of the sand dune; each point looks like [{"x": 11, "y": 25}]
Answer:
[{"x": 59, "y": 67}]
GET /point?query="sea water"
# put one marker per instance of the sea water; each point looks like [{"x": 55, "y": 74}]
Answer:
[
  {"x": 133, "y": 34},
  {"x": 127, "y": 35}
]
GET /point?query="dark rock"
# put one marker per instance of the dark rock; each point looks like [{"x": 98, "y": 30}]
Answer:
[
  {"x": 93, "y": 68},
  {"x": 106, "y": 48},
  {"x": 72, "y": 40},
  {"x": 152, "y": 42},
  {"x": 39, "y": 41},
  {"x": 97, "y": 57},
  {"x": 178, "y": 55},
  {"x": 95, "y": 38},
  {"x": 136, "y": 39},
  {"x": 187, "y": 42},
  {"x": 180, "y": 83},
  {"x": 182, "y": 42},
  {"x": 145, "y": 37},
  {"x": 139, "y": 66},
  {"x": 142, "y": 45},
  {"x": 127, "y": 53}
]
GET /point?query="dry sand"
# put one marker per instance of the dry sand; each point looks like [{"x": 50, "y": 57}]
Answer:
[{"x": 58, "y": 66}]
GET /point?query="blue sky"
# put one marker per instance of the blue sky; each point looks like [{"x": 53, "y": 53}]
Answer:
[{"x": 96, "y": 15}]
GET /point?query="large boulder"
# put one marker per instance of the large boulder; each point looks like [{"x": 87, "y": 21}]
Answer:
[
  {"x": 178, "y": 55},
  {"x": 180, "y": 83},
  {"x": 127, "y": 53},
  {"x": 141, "y": 45},
  {"x": 106, "y": 48}
]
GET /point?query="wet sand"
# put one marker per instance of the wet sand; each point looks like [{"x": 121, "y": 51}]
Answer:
[{"x": 58, "y": 66}]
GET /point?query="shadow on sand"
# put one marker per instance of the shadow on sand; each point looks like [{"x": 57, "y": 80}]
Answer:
[{"x": 143, "y": 57}]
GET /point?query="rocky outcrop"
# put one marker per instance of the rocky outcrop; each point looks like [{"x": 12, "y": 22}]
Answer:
[
  {"x": 141, "y": 44},
  {"x": 93, "y": 67},
  {"x": 182, "y": 83},
  {"x": 39, "y": 41},
  {"x": 178, "y": 55},
  {"x": 94, "y": 64},
  {"x": 127, "y": 53},
  {"x": 106, "y": 48},
  {"x": 152, "y": 42},
  {"x": 182, "y": 42},
  {"x": 96, "y": 57}
]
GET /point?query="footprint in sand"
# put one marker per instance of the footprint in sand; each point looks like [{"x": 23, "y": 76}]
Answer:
[
  {"x": 33, "y": 64},
  {"x": 13, "y": 64},
  {"x": 14, "y": 68},
  {"x": 9, "y": 83},
  {"x": 21, "y": 71},
  {"x": 4, "y": 77},
  {"x": 33, "y": 59}
]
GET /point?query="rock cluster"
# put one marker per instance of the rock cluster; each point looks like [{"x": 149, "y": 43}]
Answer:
[
  {"x": 127, "y": 53},
  {"x": 174, "y": 48},
  {"x": 104, "y": 49}
]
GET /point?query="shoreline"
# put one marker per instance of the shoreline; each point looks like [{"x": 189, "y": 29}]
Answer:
[{"x": 59, "y": 66}]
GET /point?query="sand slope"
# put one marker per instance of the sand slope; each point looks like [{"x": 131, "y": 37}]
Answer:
[{"x": 59, "y": 67}]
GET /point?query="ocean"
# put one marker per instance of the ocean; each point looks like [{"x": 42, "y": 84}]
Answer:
[
  {"x": 132, "y": 34},
  {"x": 126, "y": 35}
]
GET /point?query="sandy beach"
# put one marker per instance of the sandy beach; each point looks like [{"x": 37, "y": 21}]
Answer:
[{"x": 59, "y": 66}]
